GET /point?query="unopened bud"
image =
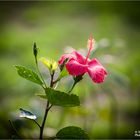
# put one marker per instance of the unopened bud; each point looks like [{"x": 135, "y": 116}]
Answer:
[{"x": 35, "y": 51}]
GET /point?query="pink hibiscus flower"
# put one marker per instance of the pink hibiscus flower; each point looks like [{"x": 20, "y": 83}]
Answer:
[{"x": 79, "y": 65}]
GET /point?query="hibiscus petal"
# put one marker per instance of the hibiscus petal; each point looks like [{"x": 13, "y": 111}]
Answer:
[
  {"x": 65, "y": 56},
  {"x": 94, "y": 62},
  {"x": 74, "y": 55},
  {"x": 75, "y": 68},
  {"x": 80, "y": 58},
  {"x": 96, "y": 71}
]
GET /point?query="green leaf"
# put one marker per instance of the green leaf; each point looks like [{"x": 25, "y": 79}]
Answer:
[
  {"x": 59, "y": 98},
  {"x": 72, "y": 132},
  {"x": 27, "y": 114},
  {"x": 28, "y": 74}
]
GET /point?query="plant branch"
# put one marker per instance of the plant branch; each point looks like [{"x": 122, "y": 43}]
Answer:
[
  {"x": 37, "y": 123},
  {"x": 76, "y": 80},
  {"x": 48, "y": 107},
  {"x": 72, "y": 87},
  {"x": 40, "y": 73},
  {"x": 44, "y": 120},
  {"x": 35, "y": 52}
]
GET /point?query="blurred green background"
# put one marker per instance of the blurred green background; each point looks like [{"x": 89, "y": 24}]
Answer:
[{"x": 108, "y": 110}]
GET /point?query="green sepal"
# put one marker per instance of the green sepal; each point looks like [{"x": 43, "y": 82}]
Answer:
[
  {"x": 78, "y": 78},
  {"x": 62, "y": 66}
]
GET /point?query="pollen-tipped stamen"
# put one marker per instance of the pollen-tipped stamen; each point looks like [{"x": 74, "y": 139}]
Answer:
[{"x": 90, "y": 47}]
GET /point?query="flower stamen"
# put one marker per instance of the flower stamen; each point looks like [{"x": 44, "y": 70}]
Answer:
[{"x": 90, "y": 47}]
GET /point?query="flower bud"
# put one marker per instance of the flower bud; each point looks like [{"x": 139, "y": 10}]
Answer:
[{"x": 35, "y": 51}]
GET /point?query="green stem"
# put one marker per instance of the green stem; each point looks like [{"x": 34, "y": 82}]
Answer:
[
  {"x": 37, "y": 123},
  {"x": 40, "y": 72},
  {"x": 44, "y": 120},
  {"x": 72, "y": 87},
  {"x": 48, "y": 107},
  {"x": 76, "y": 80}
]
